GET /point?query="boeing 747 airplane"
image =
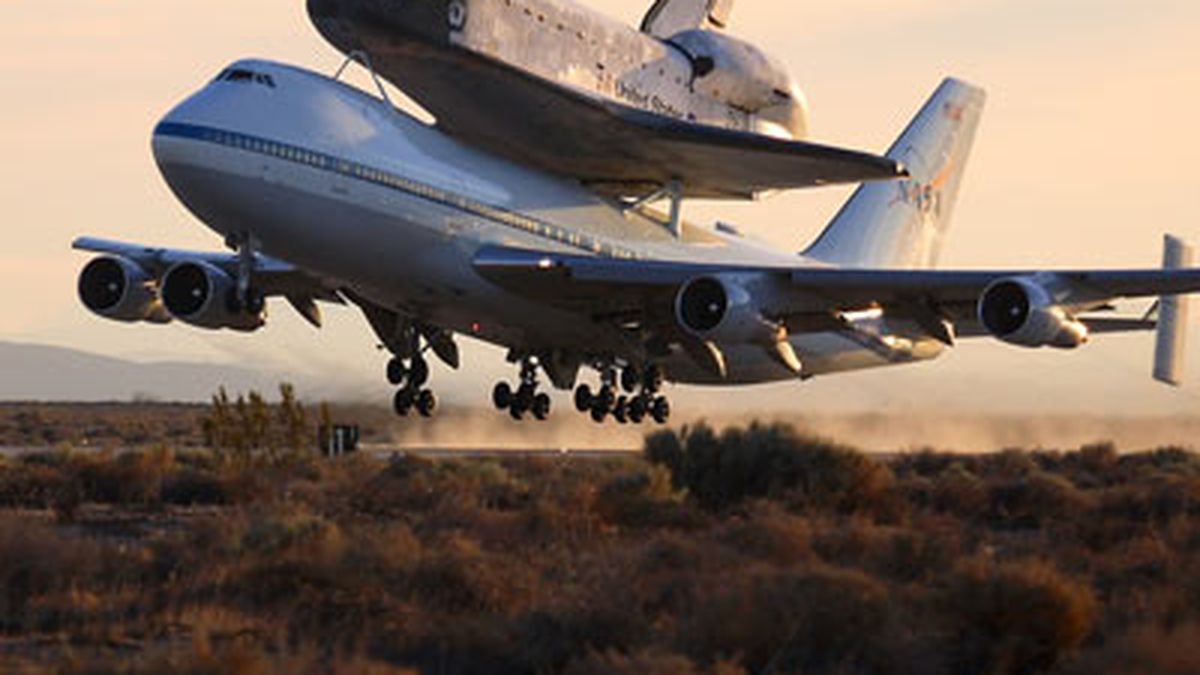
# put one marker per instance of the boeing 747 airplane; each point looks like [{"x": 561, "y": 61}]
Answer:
[{"x": 328, "y": 194}]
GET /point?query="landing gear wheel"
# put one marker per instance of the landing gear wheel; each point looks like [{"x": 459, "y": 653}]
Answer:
[
  {"x": 403, "y": 402},
  {"x": 583, "y": 398},
  {"x": 418, "y": 373},
  {"x": 630, "y": 378},
  {"x": 516, "y": 413},
  {"x": 396, "y": 372},
  {"x": 502, "y": 396},
  {"x": 541, "y": 407},
  {"x": 637, "y": 410},
  {"x": 426, "y": 403},
  {"x": 599, "y": 413},
  {"x": 661, "y": 410},
  {"x": 621, "y": 412},
  {"x": 606, "y": 399}
]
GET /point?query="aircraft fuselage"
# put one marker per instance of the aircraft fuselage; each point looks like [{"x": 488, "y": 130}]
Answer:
[{"x": 340, "y": 183}]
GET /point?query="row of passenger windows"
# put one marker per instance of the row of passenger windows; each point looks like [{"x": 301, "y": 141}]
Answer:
[
  {"x": 246, "y": 77},
  {"x": 508, "y": 218}
]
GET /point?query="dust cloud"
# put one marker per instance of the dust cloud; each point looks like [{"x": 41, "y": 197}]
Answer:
[{"x": 471, "y": 428}]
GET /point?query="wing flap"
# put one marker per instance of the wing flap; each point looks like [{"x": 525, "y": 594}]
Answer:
[{"x": 582, "y": 281}]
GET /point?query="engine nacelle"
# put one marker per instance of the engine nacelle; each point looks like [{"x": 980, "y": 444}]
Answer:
[
  {"x": 119, "y": 289},
  {"x": 739, "y": 74},
  {"x": 1021, "y": 311},
  {"x": 203, "y": 295},
  {"x": 722, "y": 310}
]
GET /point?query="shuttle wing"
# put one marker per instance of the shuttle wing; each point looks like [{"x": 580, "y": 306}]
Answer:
[{"x": 617, "y": 149}]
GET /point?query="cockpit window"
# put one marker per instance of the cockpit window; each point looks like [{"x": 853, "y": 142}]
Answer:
[{"x": 246, "y": 76}]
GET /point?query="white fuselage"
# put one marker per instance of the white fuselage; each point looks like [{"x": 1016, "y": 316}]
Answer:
[{"x": 338, "y": 182}]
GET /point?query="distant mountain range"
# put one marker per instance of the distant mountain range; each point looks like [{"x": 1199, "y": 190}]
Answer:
[{"x": 41, "y": 373}]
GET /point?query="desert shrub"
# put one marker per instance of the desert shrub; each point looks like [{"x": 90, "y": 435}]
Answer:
[
  {"x": 1147, "y": 650},
  {"x": 771, "y": 461},
  {"x": 189, "y": 487},
  {"x": 646, "y": 662},
  {"x": 818, "y": 620},
  {"x": 638, "y": 499},
  {"x": 36, "y": 560},
  {"x": 960, "y": 492},
  {"x": 34, "y": 485},
  {"x": 1035, "y": 499},
  {"x": 456, "y": 575},
  {"x": 1014, "y": 618},
  {"x": 769, "y": 533}
]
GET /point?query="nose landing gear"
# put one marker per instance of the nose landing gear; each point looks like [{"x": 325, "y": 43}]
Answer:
[{"x": 526, "y": 399}]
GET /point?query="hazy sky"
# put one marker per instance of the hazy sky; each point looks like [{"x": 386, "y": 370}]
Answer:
[{"x": 1088, "y": 153}]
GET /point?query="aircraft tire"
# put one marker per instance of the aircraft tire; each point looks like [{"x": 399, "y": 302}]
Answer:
[
  {"x": 583, "y": 398},
  {"x": 599, "y": 413},
  {"x": 418, "y": 373},
  {"x": 403, "y": 401},
  {"x": 502, "y": 396},
  {"x": 637, "y": 410},
  {"x": 661, "y": 410},
  {"x": 427, "y": 403},
  {"x": 606, "y": 399},
  {"x": 396, "y": 372},
  {"x": 541, "y": 407},
  {"x": 621, "y": 411},
  {"x": 630, "y": 378}
]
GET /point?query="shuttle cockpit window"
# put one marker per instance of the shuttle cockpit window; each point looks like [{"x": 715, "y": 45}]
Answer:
[{"x": 246, "y": 76}]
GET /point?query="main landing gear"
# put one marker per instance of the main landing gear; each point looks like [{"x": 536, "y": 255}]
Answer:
[
  {"x": 411, "y": 375},
  {"x": 525, "y": 399},
  {"x": 639, "y": 396}
]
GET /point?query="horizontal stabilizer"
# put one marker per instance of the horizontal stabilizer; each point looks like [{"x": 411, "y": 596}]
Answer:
[{"x": 1173, "y": 317}]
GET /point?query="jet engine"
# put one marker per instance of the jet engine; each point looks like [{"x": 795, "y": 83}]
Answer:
[
  {"x": 1021, "y": 311},
  {"x": 119, "y": 289},
  {"x": 205, "y": 296},
  {"x": 722, "y": 310},
  {"x": 739, "y": 74}
]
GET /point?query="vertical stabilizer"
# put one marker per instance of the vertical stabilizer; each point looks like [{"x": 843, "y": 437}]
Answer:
[
  {"x": 668, "y": 17},
  {"x": 901, "y": 225},
  {"x": 1172, "y": 318}
]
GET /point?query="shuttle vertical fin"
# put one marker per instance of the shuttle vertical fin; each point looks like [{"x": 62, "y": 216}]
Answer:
[
  {"x": 668, "y": 17},
  {"x": 1172, "y": 318}
]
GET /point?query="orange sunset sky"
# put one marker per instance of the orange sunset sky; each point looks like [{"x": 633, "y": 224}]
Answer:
[{"x": 1088, "y": 153}]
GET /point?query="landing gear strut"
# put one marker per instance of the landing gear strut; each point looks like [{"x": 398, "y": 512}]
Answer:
[
  {"x": 639, "y": 396},
  {"x": 525, "y": 399}
]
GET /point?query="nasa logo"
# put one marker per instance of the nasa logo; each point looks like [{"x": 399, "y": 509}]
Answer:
[
  {"x": 953, "y": 111},
  {"x": 456, "y": 13}
]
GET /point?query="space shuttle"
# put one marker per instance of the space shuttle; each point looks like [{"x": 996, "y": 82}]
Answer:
[{"x": 677, "y": 105}]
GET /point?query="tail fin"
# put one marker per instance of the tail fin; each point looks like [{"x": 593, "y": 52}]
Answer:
[{"x": 901, "y": 224}]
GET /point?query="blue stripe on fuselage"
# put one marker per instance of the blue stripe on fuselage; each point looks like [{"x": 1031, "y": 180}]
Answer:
[{"x": 357, "y": 171}]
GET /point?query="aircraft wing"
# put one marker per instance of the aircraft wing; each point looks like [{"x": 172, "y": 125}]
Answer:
[
  {"x": 271, "y": 277},
  {"x": 805, "y": 297}
]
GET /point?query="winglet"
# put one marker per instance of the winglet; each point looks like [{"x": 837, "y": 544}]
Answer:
[{"x": 1172, "y": 318}]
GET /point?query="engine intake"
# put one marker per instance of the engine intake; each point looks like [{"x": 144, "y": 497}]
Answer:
[
  {"x": 1021, "y": 311},
  {"x": 119, "y": 289},
  {"x": 203, "y": 295},
  {"x": 722, "y": 310}
]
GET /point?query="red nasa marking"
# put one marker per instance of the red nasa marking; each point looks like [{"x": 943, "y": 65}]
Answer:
[{"x": 953, "y": 111}]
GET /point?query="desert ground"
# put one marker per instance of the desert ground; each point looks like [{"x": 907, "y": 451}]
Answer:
[{"x": 147, "y": 538}]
